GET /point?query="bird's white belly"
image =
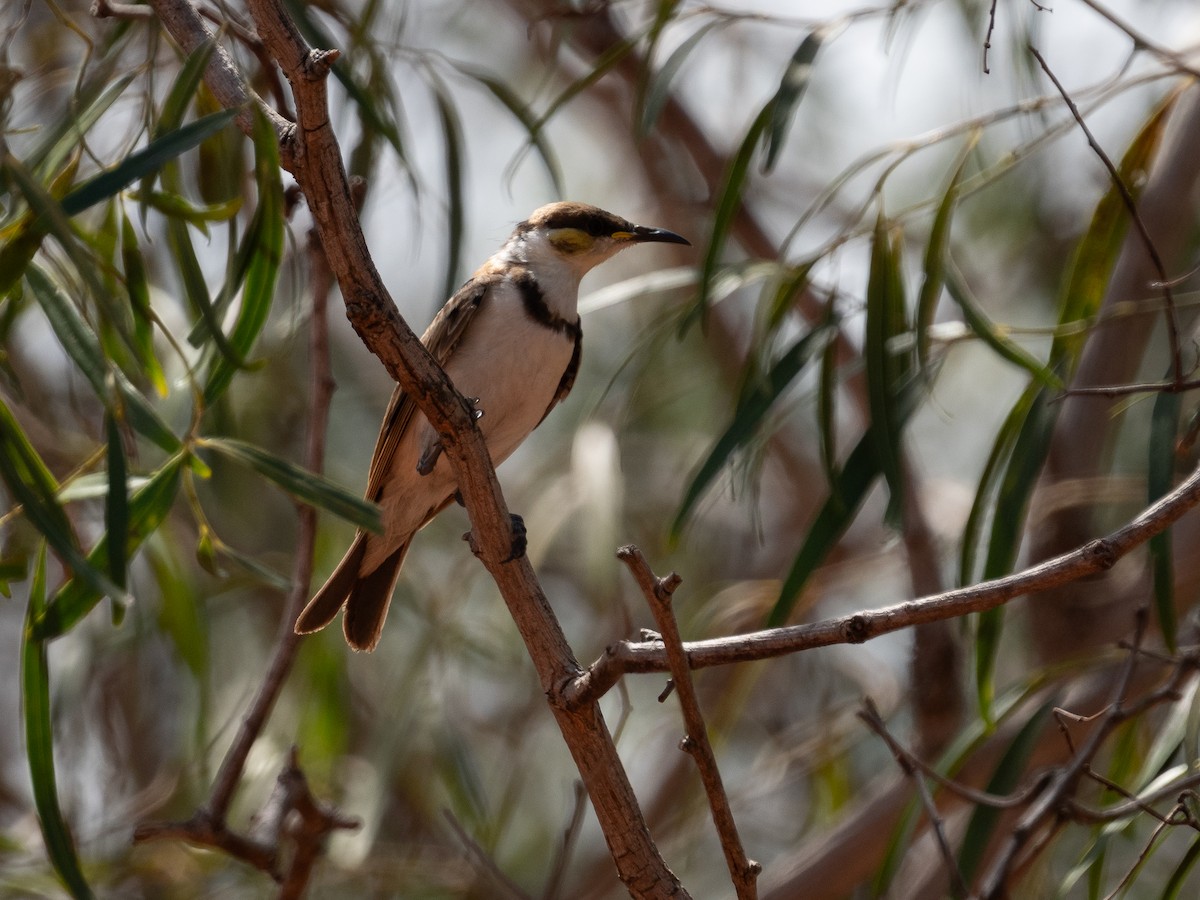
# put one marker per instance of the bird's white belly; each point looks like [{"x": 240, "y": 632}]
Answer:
[{"x": 513, "y": 365}]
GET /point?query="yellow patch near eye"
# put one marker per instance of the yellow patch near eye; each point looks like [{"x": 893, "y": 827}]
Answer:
[
  {"x": 571, "y": 240},
  {"x": 623, "y": 235}
]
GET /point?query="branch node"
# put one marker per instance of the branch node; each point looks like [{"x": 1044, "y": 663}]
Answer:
[{"x": 319, "y": 62}]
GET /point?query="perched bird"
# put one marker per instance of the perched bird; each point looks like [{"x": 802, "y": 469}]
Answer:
[{"x": 510, "y": 341}]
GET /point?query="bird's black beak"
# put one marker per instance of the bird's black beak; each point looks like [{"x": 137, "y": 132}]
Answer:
[{"x": 642, "y": 234}]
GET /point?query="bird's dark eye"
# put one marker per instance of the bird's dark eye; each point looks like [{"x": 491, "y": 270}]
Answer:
[{"x": 571, "y": 240}]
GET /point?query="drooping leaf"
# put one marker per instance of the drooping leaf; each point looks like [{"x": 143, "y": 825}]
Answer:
[
  {"x": 65, "y": 133},
  {"x": 936, "y": 258},
  {"x": 1035, "y": 411},
  {"x": 304, "y": 485},
  {"x": 258, "y": 291},
  {"x": 31, "y": 485},
  {"x": 39, "y": 744},
  {"x": 888, "y": 368},
  {"x": 791, "y": 90},
  {"x": 729, "y": 200},
  {"x": 752, "y": 408},
  {"x": 1160, "y": 478},
  {"x": 985, "y": 329},
  {"x": 522, "y": 113},
  {"x": 137, "y": 286},
  {"x": 658, "y": 87},
  {"x": 147, "y": 508},
  {"x": 145, "y": 161},
  {"x": 452, "y": 143},
  {"x": 83, "y": 347}
]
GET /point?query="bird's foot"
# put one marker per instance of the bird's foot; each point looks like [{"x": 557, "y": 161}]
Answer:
[{"x": 519, "y": 540}]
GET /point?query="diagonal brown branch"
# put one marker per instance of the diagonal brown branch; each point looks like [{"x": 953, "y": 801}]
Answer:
[{"x": 310, "y": 151}]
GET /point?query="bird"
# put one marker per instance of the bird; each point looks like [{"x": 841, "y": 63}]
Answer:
[{"x": 510, "y": 341}]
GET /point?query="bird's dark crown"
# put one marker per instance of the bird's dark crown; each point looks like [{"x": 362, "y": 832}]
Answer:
[{"x": 589, "y": 219}]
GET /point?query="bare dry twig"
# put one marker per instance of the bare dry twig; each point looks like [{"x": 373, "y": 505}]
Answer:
[
  {"x": 658, "y": 593},
  {"x": 912, "y": 770},
  {"x": 625, "y": 657}
]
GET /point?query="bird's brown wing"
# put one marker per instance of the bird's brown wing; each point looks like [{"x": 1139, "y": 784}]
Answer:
[
  {"x": 442, "y": 336},
  {"x": 568, "y": 377}
]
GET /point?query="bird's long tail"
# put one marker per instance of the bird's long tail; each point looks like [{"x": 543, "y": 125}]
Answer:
[{"x": 366, "y": 596}]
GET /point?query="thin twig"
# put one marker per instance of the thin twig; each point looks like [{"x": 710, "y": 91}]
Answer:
[
  {"x": 658, "y": 591},
  {"x": 870, "y": 715},
  {"x": 1131, "y": 206},
  {"x": 624, "y": 657},
  {"x": 1141, "y": 42},
  {"x": 502, "y": 885}
]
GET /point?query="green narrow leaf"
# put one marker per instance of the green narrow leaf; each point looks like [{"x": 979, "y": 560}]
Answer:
[
  {"x": 849, "y": 490},
  {"x": 35, "y": 489},
  {"x": 39, "y": 744},
  {"x": 791, "y": 90},
  {"x": 304, "y": 485},
  {"x": 263, "y": 269},
  {"x": 827, "y": 391},
  {"x": 658, "y": 90},
  {"x": 729, "y": 200},
  {"x": 747, "y": 418},
  {"x": 1013, "y": 494},
  {"x": 1174, "y": 886},
  {"x": 935, "y": 258},
  {"x": 138, "y": 287},
  {"x": 145, "y": 161},
  {"x": 519, "y": 111},
  {"x": 983, "y": 327},
  {"x": 187, "y": 82},
  {"x": 1091, "y": 268},
  {"x": 1008, "y": 775},
  {"x": 83, "y": 347},
  {"x": 834, "y": 517},
  {"x": 1160, "y": 477},
  {"x": 116, "y": 504},
  {"x": 886, "y": 367},
  {"x": 452, "y": 139},
  {"x": 147, "y": 509},
  {"x": 65, "y": 132},
  {"x": 176, "y": 206}
]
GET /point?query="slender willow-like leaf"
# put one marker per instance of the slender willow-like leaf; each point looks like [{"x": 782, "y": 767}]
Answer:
[
  {"x": 521, "y": 112},
  {"x": 987, "y": 331},
  {"x": 1160, "y": 478},
  {"x": 935, "y": 261},
  {"x": 302, "y": 484},
  {"x": 145, "y": 161},
  {"x": 138, "y": 287},
  {"x": 1173, "y": 888},
  {"x": 83, "y": 347},
  {"x": 791, "y": 90},
  {"x": 34, "y": 488},
  {"x": 887, "y": 368},
  {"x": 263, "y": 270},
  {"x": 452, "y": 142},
  {"x": 1090, "y": 271},
  {"x": 729, "y": 200},
  {"x": 65, "y": 134},
  {"x": 39, "y": 745},
  {"x": 116, "y": 504},
  {"x": 658, "y": 88},
  {"x": 147, "y": 508},
  {"x": 747, "y": 419}
]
